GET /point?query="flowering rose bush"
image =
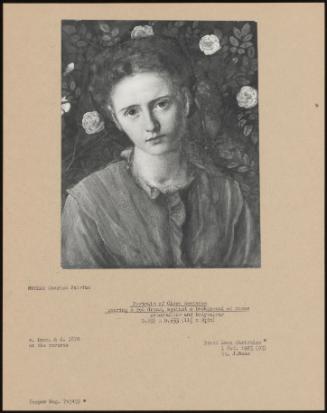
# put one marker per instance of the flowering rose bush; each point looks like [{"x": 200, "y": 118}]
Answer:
[
  {"x": 247, "y": 97},
  {"x": 142, "y": 31},
  {"x": 223, "y": 118},
  {"x": 209, "y": 44},
  {"x": 92, "y": 123}
]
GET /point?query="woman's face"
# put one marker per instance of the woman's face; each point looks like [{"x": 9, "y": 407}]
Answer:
[{"x": 149, "y": 109}]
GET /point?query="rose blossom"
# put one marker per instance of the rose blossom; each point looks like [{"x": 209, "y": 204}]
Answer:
[
  {"x": 69, "y": 68},
  {"x": 247, "y": 97},
  {"x": 142, "y": 31},
  {"x": 65, "y": 105},
  {"x": 209, "y": 44},
  {"x": 92, "y": 123}
]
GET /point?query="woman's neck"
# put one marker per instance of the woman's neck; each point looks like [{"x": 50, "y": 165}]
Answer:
[{"x": 160, "y": 170}]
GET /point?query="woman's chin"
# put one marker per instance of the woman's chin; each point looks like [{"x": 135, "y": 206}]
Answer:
[{"x": 161, "y": 146}]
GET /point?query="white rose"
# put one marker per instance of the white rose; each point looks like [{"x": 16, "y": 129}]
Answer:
[
  {"x": 92, "y": 122},
  {"x": 65, "y": 105},
  {"x": 209, "y": 44},
  {"x": 69, "y": 68},
  {"x": 247, "y": 97},
  {"x": 142, "y": 31}
]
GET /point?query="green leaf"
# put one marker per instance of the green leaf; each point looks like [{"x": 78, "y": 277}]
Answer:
[
  {"x": 246, "y": 45},
  {"x": 218, "y": 33},
  {"x": 226, "y": 154},
  {"x": 75, "y": 38},
  {"x": 106, "y": 37},
  {"x": 243, "y": 81},
  {"x": 251, "y": 52},
  {"x": 72, "y": 85},
  {"x": 233, "y": 41},
  {"x": 254, "y": 65},
  {"x": 81, "y": 43},
  {"x": 246, "y": 29},
  {"x": 197, "y": 103},
  {"x": 238, "y": 153},
  {"x": 242, "y": 123},
  {"x": 241, "y": 51},
  {"x": 233, "y": 49},
  {"x": 246, "y": 159},
  {"x": 247, "y": 130},
  {"x": 237, "y": 32},
  {"x": 104, "y": 27},
  {"x": 254, "y": 138},
  {"x": 224, "y": 40},
  {"x": 242, "y": 169},
  {"x": 248, "y": 38},
  {"x": 245, "y": 187}
]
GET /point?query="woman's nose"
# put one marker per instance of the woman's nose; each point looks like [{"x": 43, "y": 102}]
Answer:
[{"x": 151, "y": 123}]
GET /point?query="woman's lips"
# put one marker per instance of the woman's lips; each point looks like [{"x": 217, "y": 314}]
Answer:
[{"x": 154, "y": 138}]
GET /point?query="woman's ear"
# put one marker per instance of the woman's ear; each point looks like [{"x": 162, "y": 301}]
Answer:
[{"x": 187, "y": 101}]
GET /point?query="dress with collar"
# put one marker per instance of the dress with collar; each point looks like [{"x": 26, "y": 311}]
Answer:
[{"x": 114, "y": 219}]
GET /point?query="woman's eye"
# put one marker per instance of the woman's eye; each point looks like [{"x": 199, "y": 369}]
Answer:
[
  {"x": 163, "y": 104},
  {"x": 131, "y": 112}
]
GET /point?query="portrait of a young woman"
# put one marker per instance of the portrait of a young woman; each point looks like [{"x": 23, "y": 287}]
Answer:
[{"x": 156, "y": 206}]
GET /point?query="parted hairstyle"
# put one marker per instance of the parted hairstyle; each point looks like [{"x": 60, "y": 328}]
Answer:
[{"x": 150, "y": 54}]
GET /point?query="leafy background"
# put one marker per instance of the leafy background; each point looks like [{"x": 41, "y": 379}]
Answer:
[{"x": 221, "y": 130}]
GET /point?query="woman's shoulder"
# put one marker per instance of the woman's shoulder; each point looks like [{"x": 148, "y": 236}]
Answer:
[
  {"x": 214, "y": 173},
  {"x": 101, "y": 183},
  {"x": 218, "y": 184}
]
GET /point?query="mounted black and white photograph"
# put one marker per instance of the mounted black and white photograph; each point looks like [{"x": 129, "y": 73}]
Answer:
[{"x": 160, "y": 144}]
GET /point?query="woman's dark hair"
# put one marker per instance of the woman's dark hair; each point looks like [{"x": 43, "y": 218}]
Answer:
[{"x": 153, "y": 53}]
